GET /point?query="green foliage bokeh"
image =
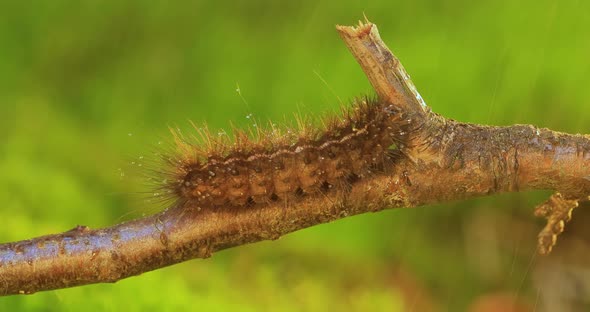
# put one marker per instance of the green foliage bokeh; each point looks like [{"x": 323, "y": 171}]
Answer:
[{"x": 89, "y": 88}]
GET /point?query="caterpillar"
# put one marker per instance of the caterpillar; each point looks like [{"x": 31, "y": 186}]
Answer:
[{"x": 286, "y": 165}]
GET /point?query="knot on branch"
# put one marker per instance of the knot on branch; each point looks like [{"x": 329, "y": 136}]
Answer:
[{"x": 557, "y": 210}]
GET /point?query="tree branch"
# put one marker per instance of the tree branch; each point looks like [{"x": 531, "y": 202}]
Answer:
[
  {"x": 384, "y": 70},
  {"x": 447, "y": 160}
]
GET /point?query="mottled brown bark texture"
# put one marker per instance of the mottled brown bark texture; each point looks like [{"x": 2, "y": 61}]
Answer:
[{"x": 444, "y": 160}]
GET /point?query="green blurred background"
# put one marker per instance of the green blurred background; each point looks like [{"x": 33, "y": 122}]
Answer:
[{"x": 89, "y": 88}]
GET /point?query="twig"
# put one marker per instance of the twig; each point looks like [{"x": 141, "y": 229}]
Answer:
[{"x": 447, "y": 161}]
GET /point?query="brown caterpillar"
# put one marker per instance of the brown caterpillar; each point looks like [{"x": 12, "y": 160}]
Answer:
[{"x": 366, "y": 140}]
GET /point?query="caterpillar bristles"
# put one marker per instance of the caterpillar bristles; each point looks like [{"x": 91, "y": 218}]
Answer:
[{"x": 267, "y": 164}]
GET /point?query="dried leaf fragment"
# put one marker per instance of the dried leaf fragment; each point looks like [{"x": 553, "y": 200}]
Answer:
[{"x": 557, "y": 210}]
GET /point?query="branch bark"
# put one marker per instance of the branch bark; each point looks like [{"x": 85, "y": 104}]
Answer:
[{"x": 447, "y": 160}]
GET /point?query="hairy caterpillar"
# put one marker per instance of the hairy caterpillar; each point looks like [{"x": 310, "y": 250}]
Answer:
[{"x": 274, "y": 166}]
